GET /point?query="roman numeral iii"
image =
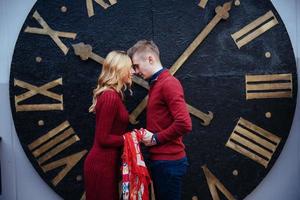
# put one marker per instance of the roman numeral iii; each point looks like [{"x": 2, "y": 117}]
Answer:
[
  {"x": 51, "y": 144},
  {"x": 254, "y": 29},
  {"x": 253, "y": 142},
  {"x": 269, "y": 86}
]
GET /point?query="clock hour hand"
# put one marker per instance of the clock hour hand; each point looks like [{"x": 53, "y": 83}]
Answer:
[
  {"x": 85, "y": 52},
  {"x": 222, "y": 12}
]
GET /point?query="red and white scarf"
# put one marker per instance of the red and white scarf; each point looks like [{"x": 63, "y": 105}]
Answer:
[{"x": 135, "y": 176}]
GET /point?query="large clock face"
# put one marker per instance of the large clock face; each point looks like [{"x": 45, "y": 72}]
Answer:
[{"x": 235, "y": 62}]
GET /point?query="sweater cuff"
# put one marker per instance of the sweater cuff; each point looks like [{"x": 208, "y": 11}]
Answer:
[{"x": 156, "y": 139}]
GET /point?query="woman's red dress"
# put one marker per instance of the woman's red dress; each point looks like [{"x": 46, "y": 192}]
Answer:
[{"x": 102, "y": 165}]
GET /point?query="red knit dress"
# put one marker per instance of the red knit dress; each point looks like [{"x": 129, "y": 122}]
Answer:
[{"x": 102, "y": 165}]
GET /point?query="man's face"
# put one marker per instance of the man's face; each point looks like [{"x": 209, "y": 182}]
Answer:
[{"x": 142, "y": 66}]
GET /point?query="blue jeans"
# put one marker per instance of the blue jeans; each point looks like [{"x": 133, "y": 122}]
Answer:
[{"x": 167, "y": 178}]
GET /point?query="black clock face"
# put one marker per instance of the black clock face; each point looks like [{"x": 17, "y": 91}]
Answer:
[{"x": 240, "y": 85}]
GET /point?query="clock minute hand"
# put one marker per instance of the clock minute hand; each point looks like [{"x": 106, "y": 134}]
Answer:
[{"x": 222, "y": 12}]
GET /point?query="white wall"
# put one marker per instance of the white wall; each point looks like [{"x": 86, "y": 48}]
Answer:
[
  {"x": 283, "y": 181},
  {"x": 19, "y": 179},
  {"x": 21, "y": 182}
]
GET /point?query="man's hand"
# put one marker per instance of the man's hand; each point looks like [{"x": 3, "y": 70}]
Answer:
[{"x": 147, "y": 138}]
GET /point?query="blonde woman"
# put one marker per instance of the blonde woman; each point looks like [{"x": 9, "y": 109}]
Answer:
[{"x": 101, "y": 167}]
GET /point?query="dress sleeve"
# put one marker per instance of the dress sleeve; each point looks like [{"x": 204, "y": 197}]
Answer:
[{"x": 106, "y": 111}]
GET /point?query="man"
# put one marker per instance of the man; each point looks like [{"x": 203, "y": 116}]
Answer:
[{"x": 167, "y": 121}]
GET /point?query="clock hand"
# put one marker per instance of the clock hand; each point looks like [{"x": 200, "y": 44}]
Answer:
[
  {"x": 222, "y": 12},
  {"x": 85, "y": 52},
  {"x": 202, "y": 3},
  {"x": 206, "y": 118}
]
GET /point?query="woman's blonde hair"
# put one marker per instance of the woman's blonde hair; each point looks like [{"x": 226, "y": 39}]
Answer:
[{"x": 116, "y": 68}]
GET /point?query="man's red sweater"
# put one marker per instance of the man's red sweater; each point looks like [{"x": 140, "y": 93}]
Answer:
[{"x": 167, "y": 117}]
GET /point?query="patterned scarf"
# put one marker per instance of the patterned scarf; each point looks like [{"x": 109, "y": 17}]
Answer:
[{"x": 135, "y": 176}]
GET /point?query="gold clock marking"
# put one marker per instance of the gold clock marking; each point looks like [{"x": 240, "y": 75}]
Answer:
[
  {"x": 268, "y": 115},
  {"x": 253, "y": 142},
  {"x": 84, "y": 51},
  {"x": 63, "y": 9},
  {"x": 214, "y": 184},
  {"x": 46, "y": 30},
  {"x": 237, "y": 2},
  {"x": 38, "y": 59},
  {"x": 90, "y": 7},
  {"x": 79, "y": 178},
  {"x": 44, "y": 148},
  {"x": 268, "y": 54},
  {"x": 235, "y": 172},
  {"x": 269, "y": 86},
  {"x": 68, "y": 162},
  {"x": 202, "y": 3},
  {"x": 83, "y": 196},
  {"x": 41, "y": 123},
  {"x": 34, "y": 90},
  {"x": 254, "y": 29},
  {"x": 152, "y": 191}
]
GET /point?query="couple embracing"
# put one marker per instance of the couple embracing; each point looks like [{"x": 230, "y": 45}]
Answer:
[{"x": 167, "y": 121}]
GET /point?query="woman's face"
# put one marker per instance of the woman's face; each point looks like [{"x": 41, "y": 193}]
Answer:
[{"x": 128, "y": 76}]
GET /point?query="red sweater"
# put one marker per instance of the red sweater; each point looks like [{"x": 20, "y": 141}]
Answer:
[
  {"x": 168, "y": 117},
  {"x": 111, "y": 120},
  {"x": 102, "y": 165}
]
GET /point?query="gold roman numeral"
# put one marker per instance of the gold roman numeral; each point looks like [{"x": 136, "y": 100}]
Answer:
[
  {"x": 51, "y": 144},
  {"x": 202, "y": 3},
  {"x": 253, "y": 142},
  {"x": 46, "y": 30},
  {"x": 269, "y": 86},
  {"x": 83, "y": 197},
  {"x": 254, "y": 29},
  {"x": 90, "y": 7},
  {"x": 42, "y": 90},
  {"x": 214, "y": 184}
]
